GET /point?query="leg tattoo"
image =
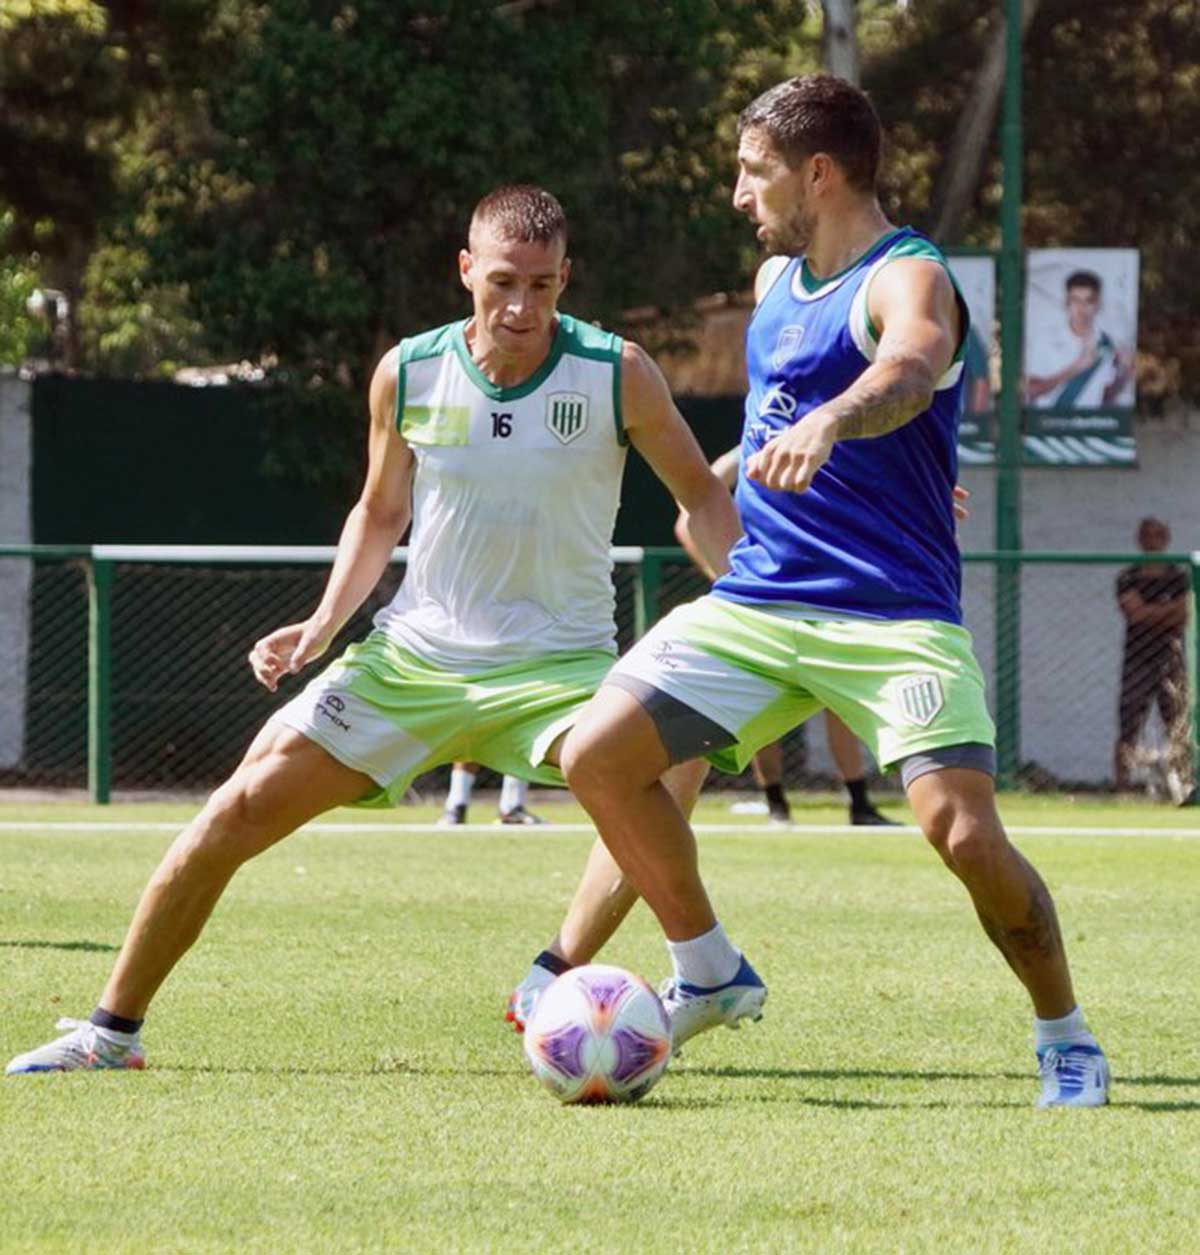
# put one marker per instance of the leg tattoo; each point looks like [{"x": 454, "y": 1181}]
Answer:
[{"x": 1037, "y": 937}]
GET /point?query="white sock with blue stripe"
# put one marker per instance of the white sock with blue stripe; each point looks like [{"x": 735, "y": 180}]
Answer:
[
  {"x": 706, "y": 961},
  {"x": 1061, "y": 1032}
]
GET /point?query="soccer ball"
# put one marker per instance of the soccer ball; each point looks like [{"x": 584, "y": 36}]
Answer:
[{"x": 598, "y": 1035}]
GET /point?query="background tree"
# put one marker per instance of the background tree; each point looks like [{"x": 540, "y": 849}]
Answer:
[
  {"x": 75, "y": 77},
  {"x": 288, "y": 181}
]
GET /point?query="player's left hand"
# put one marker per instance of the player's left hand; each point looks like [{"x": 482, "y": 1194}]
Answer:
[
  {"x": 961, "y": 496},
  {"x": 789, "y": 462}
]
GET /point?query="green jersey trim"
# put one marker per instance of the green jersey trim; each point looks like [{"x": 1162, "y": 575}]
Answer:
[
  {"x": 814, "y": 287},
  {"x": 417, "y": 348},
  {"x": 866, "y": 335},
  {"x": 592, "y": 342},
  {"x": 494, "y": 391},
  {"x": 573, "y": 337}
]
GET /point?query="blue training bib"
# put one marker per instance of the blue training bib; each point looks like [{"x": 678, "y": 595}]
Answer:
[{"x": 874, "y": 534}]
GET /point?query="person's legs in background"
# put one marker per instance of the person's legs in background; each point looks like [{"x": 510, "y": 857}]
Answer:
[
  {"x": 768, "y": 775},
  {"x": 848, "y": 758}
]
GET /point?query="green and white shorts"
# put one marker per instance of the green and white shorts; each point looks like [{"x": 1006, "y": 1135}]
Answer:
[
  {"x": 910, "y": 689},
  {"x": 384, "y": 711}
]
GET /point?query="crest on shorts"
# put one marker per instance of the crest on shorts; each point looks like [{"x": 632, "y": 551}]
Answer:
[
  {"x": 919, "y": 697},
  {"x": 567, "y": 415},
  {"x": 787, "y": 345}
]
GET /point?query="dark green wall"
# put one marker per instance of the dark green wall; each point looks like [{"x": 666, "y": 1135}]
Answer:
[
  {"x": 144, "y": 463},
  {"x": 156, "y": 463}
]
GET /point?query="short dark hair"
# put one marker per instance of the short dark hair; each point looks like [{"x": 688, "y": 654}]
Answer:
[
  {"x": 1151, "y": 524},
  {"x": 818, "y": 113},
  {"x": 522, "y": 213},
  {"x": 1084, "y": 279}
]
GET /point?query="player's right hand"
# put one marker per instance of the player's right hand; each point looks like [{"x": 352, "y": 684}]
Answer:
[{"x": 285, "y": 651}]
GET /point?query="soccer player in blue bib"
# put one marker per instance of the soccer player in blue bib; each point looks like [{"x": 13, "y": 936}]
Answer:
[{"x": 844, "y": 591}]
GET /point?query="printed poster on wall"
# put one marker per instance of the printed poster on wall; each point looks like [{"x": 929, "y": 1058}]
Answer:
[
  {"x": 1081, "y": 307},
  {"x": 976, "y": 279}
]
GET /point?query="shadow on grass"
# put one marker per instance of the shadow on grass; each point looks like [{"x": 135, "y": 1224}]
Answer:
[
  {"x": 214, "y": 1069},
  {"x": 672, "y": 1102},
  {"x": 91, "y": 947},
  {"x": 853, "y": 1074}
]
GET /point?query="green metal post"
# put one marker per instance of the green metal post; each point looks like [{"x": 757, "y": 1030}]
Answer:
[
  {"x": 99, "y": 679},
  {"x": 1008, "y": 460},
  {"x": 1194, "y": 633},
  {"x": 646, "y": 610}
]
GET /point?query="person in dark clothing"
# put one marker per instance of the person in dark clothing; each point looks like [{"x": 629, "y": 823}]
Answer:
[{"x": 1153, "y": 597}]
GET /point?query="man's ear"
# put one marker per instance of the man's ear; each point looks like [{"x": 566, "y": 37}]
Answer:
[
  {"x": 822, "y": 169},
  {"x": 465, "y": 265}
]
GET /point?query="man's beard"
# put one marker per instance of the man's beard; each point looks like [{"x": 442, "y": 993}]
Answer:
[{"x": 793, "y": 236}]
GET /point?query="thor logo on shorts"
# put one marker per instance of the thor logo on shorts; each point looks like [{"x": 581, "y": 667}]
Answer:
[{"x": 919, "y": 698}]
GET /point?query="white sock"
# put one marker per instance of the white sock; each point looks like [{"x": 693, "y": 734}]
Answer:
[
  {"x": 513, "y": 793},
  {"x": 462, "y": 782},
  {"x": 706, "y": 961},
  {"x": 1070, "y": 1028}
]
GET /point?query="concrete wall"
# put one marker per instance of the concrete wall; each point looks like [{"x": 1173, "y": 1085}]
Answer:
[
  {"x": 1072, "y": 632},
  {"x": 16, "y": 575}
]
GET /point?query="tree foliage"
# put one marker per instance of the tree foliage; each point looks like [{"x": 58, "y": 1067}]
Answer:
[
  {"x": 75, "y": 78},
  {"x": 289, "y": 180},
  {"x": 320, "y": 215}
]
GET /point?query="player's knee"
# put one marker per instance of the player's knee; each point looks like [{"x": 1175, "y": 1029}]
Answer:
[
  {"x": 584, "y": 764},
  {"x": 968, "y": 844},
  {"x": 237, "y": 814},
  {"x": 595, "y": 761}
]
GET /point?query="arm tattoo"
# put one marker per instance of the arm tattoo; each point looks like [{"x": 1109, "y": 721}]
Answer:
[{"x": 888, "y": 394}]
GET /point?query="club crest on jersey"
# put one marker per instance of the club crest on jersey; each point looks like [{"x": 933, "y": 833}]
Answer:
[
  {"x": 567, "y": 415},
  {"x": 919, "y": 698},
  {"x": 787, "y": 346}
]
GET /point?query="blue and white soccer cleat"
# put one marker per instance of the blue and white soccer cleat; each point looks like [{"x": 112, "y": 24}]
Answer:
[
  {"x": 693, "y": 1009},
  {"x": 85, "y": 1048},
  {"x": 524, "y": 998},
  {"x": 1074, "y": 1074}
]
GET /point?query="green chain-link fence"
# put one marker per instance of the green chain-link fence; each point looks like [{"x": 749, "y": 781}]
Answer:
[{"x": 125, "y": 668}]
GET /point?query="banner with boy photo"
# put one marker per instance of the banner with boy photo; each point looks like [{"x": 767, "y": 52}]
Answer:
[
  {"x": 1078, "y": 386},
  {"x": 976, "y": 279},
  {"x": 1081, "y": 307}
]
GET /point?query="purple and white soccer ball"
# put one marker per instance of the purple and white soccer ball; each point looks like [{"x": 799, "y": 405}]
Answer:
[{"x": 598, "y": 1035}]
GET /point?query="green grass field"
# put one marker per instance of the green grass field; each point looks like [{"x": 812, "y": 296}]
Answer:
[{"x": 329, "y": 1070}]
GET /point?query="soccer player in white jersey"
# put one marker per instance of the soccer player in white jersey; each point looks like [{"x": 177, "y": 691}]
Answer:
[
  {"x": 502, "y": 438},
  {"x": 844, "y": 591}
]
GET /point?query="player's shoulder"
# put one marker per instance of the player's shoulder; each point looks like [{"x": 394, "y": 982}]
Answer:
[
  {"x": 639, "y": 370},
  {"x": 910, "y": 271},
  {"x": 912, "y": 244},
  {"x": 387, "y": 369},
  {"x": 767, "y": 275},
  {"x": 435, "y": 342},
  {"x": 589, "y": 339}
]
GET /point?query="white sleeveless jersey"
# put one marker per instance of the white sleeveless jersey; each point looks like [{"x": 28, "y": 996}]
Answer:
[{"x": 515, "y": 494}]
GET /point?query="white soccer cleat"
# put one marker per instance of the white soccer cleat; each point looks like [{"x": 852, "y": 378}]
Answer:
[
  {"x": 85, "y": 1048},
  {"x": 1074, "y": 1074},
  {"x": 693, "y": 1009},
  {"x": 524, "y": 998}
]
